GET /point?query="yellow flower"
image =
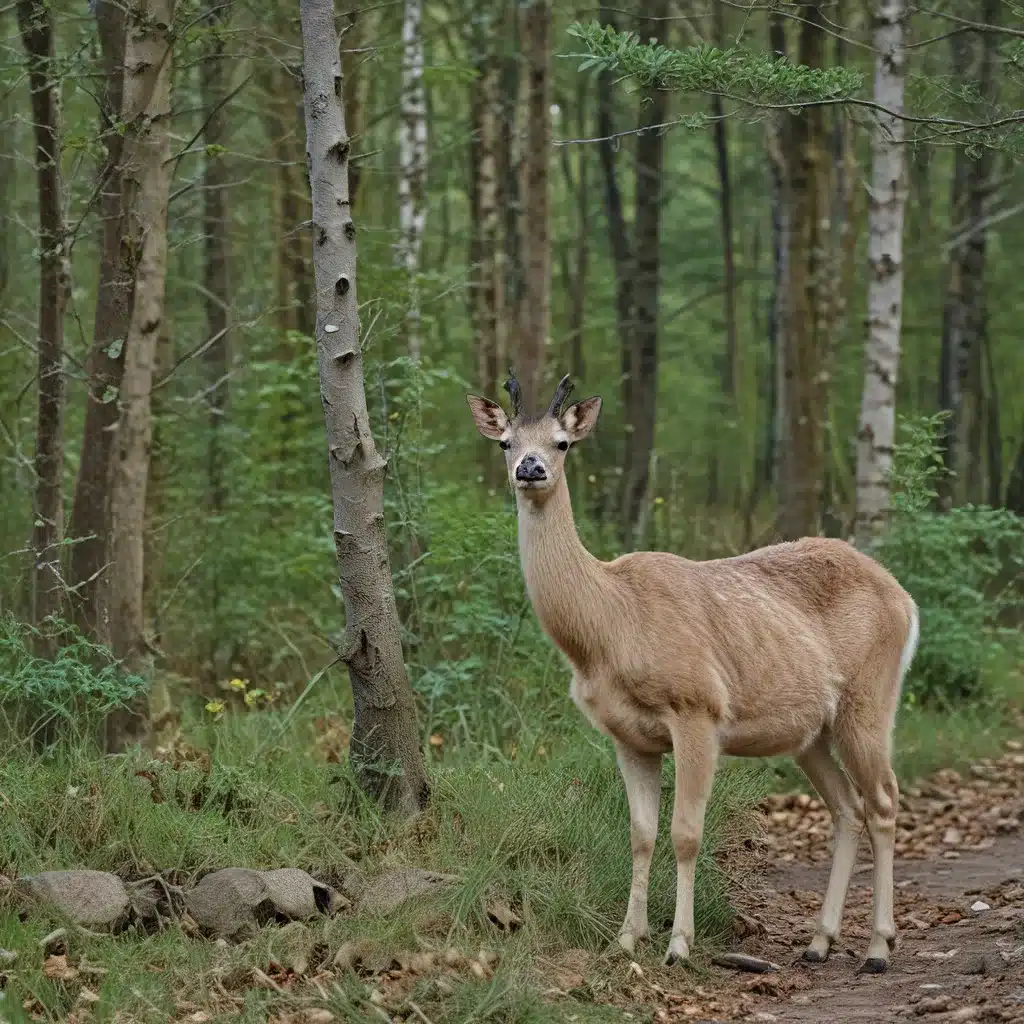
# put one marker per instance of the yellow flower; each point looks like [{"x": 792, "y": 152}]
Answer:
[
  {"x": 215, "y": 707},
  {"x": 252, "y": 697},
  {"x": 238, "y": 684}
]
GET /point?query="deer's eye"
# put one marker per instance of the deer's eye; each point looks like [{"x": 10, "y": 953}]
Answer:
[
  {"x": 563, "y": 446},
  {"x": 504, "y": 445}
]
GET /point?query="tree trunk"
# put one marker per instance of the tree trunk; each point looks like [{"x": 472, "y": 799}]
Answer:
[
  {"x": 355, "y": 32},
  {"x": 214, "y": 74},
  {"x": 35, "y": 20},
  {"x": 643, "y": 389},
  {"x": 507, "y": 43},
  {"x": 90, "y": 513},
  {"x": 776, "y": 435},
  {"x": 578, "y": 298},
  {"x": 535, "y": 189},
  {"x": 385, "y": 747},
  {"x": 490, "y": 292},
  {"x": 887, "y": 202},
  {"x": 294, "y": 305},
  {"x": 618, "y": 234},
  {"x": 576, "y": 275},
  {"x": 147, "y": 112},
  {"x": 1015, "y": 486},
  {"x": 961, "y": 381},
  {"x": 412, "y": 159},
  {"x": 804, "y": 349},
  {"x": 729, "y": 361}
]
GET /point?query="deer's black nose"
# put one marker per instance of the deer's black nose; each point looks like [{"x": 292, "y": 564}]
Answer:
[{"x": 531, "y": 469}]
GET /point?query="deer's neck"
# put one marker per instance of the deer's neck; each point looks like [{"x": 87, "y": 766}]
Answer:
[{"x": 568, "y": 586}]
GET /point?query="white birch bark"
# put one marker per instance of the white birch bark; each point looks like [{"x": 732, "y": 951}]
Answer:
[
  {"x": 412, "y": 155},
  {"x": 886, "y": 202}
]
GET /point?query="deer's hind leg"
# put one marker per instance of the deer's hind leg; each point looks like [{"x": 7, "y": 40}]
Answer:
[
  {"x": 865, "y": 750},
  {"x": 845, "y": 806}
]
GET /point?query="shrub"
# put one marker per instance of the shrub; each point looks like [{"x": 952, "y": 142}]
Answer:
[
  {"x": 65, "y": 697},
  {"x": 954, "y": 564}
]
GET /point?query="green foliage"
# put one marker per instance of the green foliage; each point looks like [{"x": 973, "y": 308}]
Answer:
[
  {"x": 962, "y": 567},
  {"x": 65, "y": 697},
  {"x": 548, "y": 835},
  {"x": 751, "y": 77}
]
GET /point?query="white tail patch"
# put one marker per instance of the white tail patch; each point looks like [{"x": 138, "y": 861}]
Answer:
[{"x": 910, "y": 647}]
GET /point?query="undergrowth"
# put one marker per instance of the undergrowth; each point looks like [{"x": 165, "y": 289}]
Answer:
[{"x": 546, "y": 834}]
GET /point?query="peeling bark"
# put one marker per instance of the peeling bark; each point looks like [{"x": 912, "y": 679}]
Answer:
[
  {"x": 147, "y": 112},
  {"x": 412, "y": 159},
  {"x": 385, "y": 746},
  {"x": 887, "y": 203},
  {"x": 35, "y": 21}
]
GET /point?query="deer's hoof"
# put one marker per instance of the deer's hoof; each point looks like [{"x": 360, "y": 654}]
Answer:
[
  {"x": 873, "y": 965},
  {"x": 678, "y": 949}
]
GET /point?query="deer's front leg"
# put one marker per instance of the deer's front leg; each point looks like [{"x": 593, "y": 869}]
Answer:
[
  {"x": 695, "y": 748},
  {"x": 642, "y": 776}
]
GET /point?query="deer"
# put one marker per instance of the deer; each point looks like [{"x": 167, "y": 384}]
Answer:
[{"x": 797, "y": 648}]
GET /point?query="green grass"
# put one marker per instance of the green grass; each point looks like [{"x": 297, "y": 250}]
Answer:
[{"x": 549, "y": 835}]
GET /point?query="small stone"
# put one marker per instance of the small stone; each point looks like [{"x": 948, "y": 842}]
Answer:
[
  {"x": 7, "y": 957},
  {"x": 331, "y": 328},
  {"x": 952, "y": 837},
  {"x": 980, "y": 905}
]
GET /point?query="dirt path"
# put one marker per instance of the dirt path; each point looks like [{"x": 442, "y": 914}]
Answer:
[
  {"x": 960, "y": 843},
  {"x": 952, "y": 963}
]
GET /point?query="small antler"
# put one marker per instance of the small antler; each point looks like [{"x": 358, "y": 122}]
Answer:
[
  {"x": 512, "y": 387},
  {"x": 561, "y": 394}
]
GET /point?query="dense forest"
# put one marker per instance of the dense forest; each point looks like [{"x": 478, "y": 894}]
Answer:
[
  {"x": 253, "y": 257},
  {"x": 756, "y": 233}
]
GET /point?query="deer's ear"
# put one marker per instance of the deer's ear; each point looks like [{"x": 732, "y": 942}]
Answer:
[
  {"x": 489, "y": 417},
  {"x": 581, "y": 418}
]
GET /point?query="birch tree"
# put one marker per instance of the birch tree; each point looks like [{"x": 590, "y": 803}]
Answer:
[
  {"x": 385, "y": 747},
  {"x": 147, "y": 108},
  {"x": 35, "y": 20},
  {"x": 887, "y": 198},
  {"x": 412, "y": 158}
]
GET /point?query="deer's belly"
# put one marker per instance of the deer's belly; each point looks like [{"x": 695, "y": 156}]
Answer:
[{"x": 611, "y": 711}]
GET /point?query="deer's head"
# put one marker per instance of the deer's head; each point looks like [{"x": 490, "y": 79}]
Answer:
[{"x": 535, "y": 446}]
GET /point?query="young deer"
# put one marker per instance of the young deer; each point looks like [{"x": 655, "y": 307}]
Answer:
[{"x": 788, "y": 649}]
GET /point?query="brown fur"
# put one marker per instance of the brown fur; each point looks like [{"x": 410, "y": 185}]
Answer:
[{"x": 778, "y": 651}]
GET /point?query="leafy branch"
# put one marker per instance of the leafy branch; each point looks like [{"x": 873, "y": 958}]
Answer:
[
  {"x": 764, "y": 82},
  {"x": 755, "y": 77}
]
